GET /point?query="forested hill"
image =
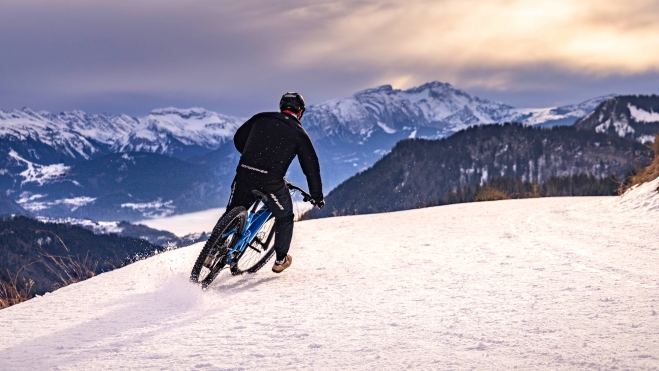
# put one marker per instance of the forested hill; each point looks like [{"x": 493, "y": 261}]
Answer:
[
  {"x": 55, "y": 255},
  {"x": 9, "y": 207},
  {"x": 420, "y": 172}
]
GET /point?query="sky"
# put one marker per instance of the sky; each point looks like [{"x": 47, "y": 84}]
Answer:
[{"x": 239, "y": 57}]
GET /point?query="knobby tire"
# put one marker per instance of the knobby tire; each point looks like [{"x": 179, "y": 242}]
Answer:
[{"x": 216, "y": 248}]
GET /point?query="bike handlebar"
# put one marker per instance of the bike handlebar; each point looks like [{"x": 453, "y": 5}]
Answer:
[{"x": 306, "y": 197}]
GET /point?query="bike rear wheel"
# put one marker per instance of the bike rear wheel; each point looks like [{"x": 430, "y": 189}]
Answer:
[
  {"x": 213, "y": 256},
  {"x": 258, "y": 252}
]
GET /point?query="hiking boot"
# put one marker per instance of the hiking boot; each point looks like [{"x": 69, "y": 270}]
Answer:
[{"x": 278, "y": 268}]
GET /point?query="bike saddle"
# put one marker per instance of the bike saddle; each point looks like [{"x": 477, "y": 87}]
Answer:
[{"x": 260, "y": 195}]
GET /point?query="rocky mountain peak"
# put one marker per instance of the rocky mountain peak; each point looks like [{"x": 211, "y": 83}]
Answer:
[
  {"x": 628, "y": 116},
  {"x": 377, "y": 90},
  {"x": 182, "y": 112}
]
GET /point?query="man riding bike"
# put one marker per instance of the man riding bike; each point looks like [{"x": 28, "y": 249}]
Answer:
[{"x": 268, "y": 143}]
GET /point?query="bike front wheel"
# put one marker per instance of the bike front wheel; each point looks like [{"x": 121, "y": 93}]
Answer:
[
  {"x": 258, "y": 252},
  {"x": 213, "y": 256}
]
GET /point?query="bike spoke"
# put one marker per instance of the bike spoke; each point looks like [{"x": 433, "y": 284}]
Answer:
[{"x": 257, "y": 249}]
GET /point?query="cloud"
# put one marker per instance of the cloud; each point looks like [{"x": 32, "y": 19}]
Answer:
[
  {"x": 235, "y": 56},
  {"x": 592, "y": 37}
]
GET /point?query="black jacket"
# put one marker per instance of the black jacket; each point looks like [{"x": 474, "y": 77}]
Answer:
[{"x": 269, "y": 142}]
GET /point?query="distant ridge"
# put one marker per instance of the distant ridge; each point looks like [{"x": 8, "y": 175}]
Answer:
[
  {"x": 9, "y": 207},
  {"x": 434, "y": 109},
  {"x": 629, "y": 116},
  {"x": 420, "y": 172}
]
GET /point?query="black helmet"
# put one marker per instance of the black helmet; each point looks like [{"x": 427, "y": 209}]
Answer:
[{"x": 293, "y": 102}]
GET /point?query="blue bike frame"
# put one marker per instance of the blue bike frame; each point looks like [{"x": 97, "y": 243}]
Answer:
[
  {"x": 256, "y": 217},
  {"x": 254, "y": 222}
]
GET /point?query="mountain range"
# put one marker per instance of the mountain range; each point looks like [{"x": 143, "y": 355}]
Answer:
[
  {"x": 177, "y": 160},
  {"x": 431, "y": 110}
]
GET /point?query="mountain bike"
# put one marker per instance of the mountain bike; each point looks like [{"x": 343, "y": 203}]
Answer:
[{"x": 241, "y": 240}]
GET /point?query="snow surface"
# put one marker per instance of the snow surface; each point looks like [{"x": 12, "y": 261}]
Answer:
[
  {"x": 386, "y": 128},
  {"x": 96, "y": 226},
  {"x": 31, "y": 202},
  {"x": 74, "y": 132},
  {"x": 537, "y": 116},
  {"x": 646, "y": 139},
  {"x": 641, "y": 115},
  {"x": 155, "y": 209},
  {"x": 36, "y": 173},
  {"x": 622, "y": 126},
  {"x": 551, "y": 283},
  {"x": 643, "y": 197}
]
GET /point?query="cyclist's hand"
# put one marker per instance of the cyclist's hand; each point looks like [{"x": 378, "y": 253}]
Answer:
[{"x": 319, "y": 203}]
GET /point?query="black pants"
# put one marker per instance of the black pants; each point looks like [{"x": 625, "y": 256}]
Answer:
[{"x": 278, "y": 201}]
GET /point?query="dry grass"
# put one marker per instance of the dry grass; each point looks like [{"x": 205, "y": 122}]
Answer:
[
  {"x": 646, "y": 174},
  {"x": 67, "y": 269},
  {"x": 15, "y": 291},
  {"x": 488, "y": 193}
]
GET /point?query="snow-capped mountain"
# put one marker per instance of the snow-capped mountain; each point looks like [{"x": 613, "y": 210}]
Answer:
[
  {"x": 433, "y": 110},
  {"x": 434, "y": 105},
  {"x": 77, "y": 135},
  {"x": 564, "y": 115},
  {"x": 630, "y": 116},
  {"x": 70, "y": 136},
  {"x": 352, "y": 133},
  {"x": 175, "y": 131}
]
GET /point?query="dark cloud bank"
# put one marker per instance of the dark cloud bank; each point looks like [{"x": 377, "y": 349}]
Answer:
[{"x": 232, "y": 58}]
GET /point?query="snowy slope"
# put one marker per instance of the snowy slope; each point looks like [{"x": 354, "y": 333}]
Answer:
[
  {"x": 642, "y": 198},
  {"x": 564, "y": 283}
]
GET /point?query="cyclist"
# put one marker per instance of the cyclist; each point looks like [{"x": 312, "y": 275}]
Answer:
[{"x": 268, "y": 143}]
